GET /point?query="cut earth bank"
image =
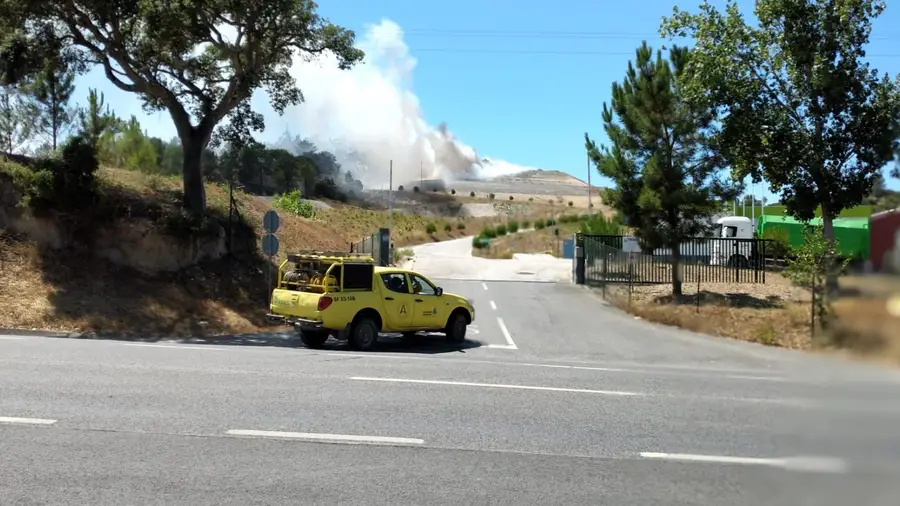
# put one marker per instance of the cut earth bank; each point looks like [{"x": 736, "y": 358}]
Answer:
[{"x": 133, "y": 265}]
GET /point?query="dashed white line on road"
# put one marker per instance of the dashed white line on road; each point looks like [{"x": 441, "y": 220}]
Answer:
[
  {"x": 493, "y": 305},
  {"x": 484, "y": 285},
  {"x": 328, "y": 438},
  {"x": 176, "y": 346},
  {"x": 506, "y": 335},
  {"x": 810, "y": 464},
  {"x": 499, "y": 385},
  {"x": 27, "y": 421}
]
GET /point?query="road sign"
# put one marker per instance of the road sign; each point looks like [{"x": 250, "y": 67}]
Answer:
[
  {"x": 271, "y": 221},
  {"x": 270, "y": 245}
]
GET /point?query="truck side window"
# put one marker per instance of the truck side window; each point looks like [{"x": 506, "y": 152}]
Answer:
[
  {"x": 395, "y": 282},
  {"x": 729, "y": 232},
  {"x": 422, "y": 287}
]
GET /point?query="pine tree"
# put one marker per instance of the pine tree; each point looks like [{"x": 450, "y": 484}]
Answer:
[
  {"x": 51, "y": 90},
  {"x": 16, "y": 119},
  {"x": 135, "y": 150},
  {"x": 95, "y": 119},
  {"x": 667, "y": 184}
]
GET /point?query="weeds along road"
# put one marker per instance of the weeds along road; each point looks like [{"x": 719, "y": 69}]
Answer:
[{"x": 555, "y": 399}]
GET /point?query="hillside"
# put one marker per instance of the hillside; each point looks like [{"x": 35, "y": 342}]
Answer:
[
  {"x": 133, "y": 264},
  {"x": 537, "y": 185}
]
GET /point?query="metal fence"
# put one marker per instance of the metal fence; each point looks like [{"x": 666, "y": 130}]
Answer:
[
  {"x": 370, "y": 245},
  {"x": 619, "y": 259}
]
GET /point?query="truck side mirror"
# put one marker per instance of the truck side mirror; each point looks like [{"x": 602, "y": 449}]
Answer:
[{"x": 439, "y": 291}]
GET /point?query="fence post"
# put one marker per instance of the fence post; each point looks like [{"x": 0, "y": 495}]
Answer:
[
  {"x": 384, "y": 247},
  {"x": 579, "y": 259}
]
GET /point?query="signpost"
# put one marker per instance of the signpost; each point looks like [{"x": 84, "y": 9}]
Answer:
[{"x": 270, "y": 244}]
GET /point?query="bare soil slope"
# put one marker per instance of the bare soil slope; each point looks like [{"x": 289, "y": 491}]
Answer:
[{"x": 70, "y": 288}]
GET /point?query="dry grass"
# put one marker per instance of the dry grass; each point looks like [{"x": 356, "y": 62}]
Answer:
[
  {"x": 66, "y": 291},
  {"x": 59, "y": 291},
  {"x": 775, "y": 314},
  {"x": 529, "y": 241}
]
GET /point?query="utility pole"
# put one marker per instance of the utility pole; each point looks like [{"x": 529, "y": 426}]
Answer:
[
  {"x": 391, "y": 198},
  {"x": 590, "y": 206}
]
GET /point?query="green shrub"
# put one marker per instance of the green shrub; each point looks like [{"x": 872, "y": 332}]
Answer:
[
  {"x": 530, "y": 199},
  {"x": 571, "y": 203},
  {"x": 526, "y": 224},
  {"x": 488, "y": 232},
  {"x": 448, "y": 227},
  {"x": 452, "y": 192},
  {"x": 491, "y": 196},
  {"x": 478, "y": 242},
  {"x": 292, "y": 202},
  {"x": 472, "y": 194},
  {"x": 600, "y": 225},
  {"x": 416, "y": 189},
  {"x": 513, "y": 227},
  {"x": 551, "y": 222},
  {"x": 539, "y": 224},
  {"x": 400, "y": 188},
  {"x": 510, "y": 197},
  {"x": 501, "y": 230},
  {"x": 430, "y": 228},
  {"x": 460, "y": 226},
  {"x": 66, "y": 182}
]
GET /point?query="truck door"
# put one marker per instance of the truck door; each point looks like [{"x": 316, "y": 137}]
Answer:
[
  {"x": 398, "y": 301},
  {"x": 428, "y": 314}
]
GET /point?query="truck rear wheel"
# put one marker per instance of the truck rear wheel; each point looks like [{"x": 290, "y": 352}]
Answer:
[
  {"x": 456, "y": 328},
  {"x": 313, "y": 340},
  {"x": 363, "y": 335}
]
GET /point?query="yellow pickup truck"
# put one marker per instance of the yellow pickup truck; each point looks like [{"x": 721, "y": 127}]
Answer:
[{"x": 347, "y": 296}]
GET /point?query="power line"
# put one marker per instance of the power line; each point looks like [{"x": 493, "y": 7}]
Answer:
[
  {"x": 424, "y": 32},
  {"x": 563, "y": 52}
]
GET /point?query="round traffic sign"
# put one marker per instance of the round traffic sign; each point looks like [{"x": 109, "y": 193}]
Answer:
[
  {"x": 270, "y": 245},
  {"x": 271, "y": 222}
]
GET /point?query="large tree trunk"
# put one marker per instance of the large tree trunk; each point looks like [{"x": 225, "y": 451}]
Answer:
[
  {"x": 192, "y": 147},
  {"x": 831, "y": 278},
  {"x": 676, "y": 272}
]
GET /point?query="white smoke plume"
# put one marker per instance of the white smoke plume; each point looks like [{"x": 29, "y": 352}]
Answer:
[{"x": 369, "y": 115}]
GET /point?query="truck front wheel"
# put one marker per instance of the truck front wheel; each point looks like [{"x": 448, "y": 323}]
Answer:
[
  {"x": 456, "y": 328},
  {"x": 363, "y": 335},
  {"x": 313, "y": 340}
]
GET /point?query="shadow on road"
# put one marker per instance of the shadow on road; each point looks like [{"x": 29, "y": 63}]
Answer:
[{"x": 424, "y": 343}]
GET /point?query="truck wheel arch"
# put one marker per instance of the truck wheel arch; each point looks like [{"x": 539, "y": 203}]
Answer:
[
  {"x": 370, "y": 313},
  {"x": 462, "y": 311}
]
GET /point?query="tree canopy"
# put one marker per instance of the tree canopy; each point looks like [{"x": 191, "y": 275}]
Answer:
[
  {"x": 199, "y": 60},
  {"x": 666, "y": 175},
  {"x": 800, "y": 108}
]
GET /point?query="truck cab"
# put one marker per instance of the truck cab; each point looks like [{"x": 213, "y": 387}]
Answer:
[
  {"x": 348, "y": 297},
  {"x": 738, "y": 251}
]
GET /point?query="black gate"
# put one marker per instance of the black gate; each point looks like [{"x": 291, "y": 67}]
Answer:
[{"x": 620, "y": 259}]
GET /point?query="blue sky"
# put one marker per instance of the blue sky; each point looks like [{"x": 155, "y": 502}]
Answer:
[{"x": 518, "y": 80}]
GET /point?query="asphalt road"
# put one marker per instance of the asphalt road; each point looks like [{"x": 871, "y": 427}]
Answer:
[{"x": 555, "y": 399}]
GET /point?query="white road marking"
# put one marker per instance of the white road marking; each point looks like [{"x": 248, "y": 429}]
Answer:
[
  {"x": 499, "y": 385},
  {"x": 698, "y": 371},
  {"x": 176, "y": 346},
  {"x": 30, "y": 421},
  {"x": 484, "y": 285},
  {"x": 505, "y": 331},
  {"x": 811, "y": 464},
  {"x": 493, "y": 305},
  {"x": 329, "y": 438}
]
